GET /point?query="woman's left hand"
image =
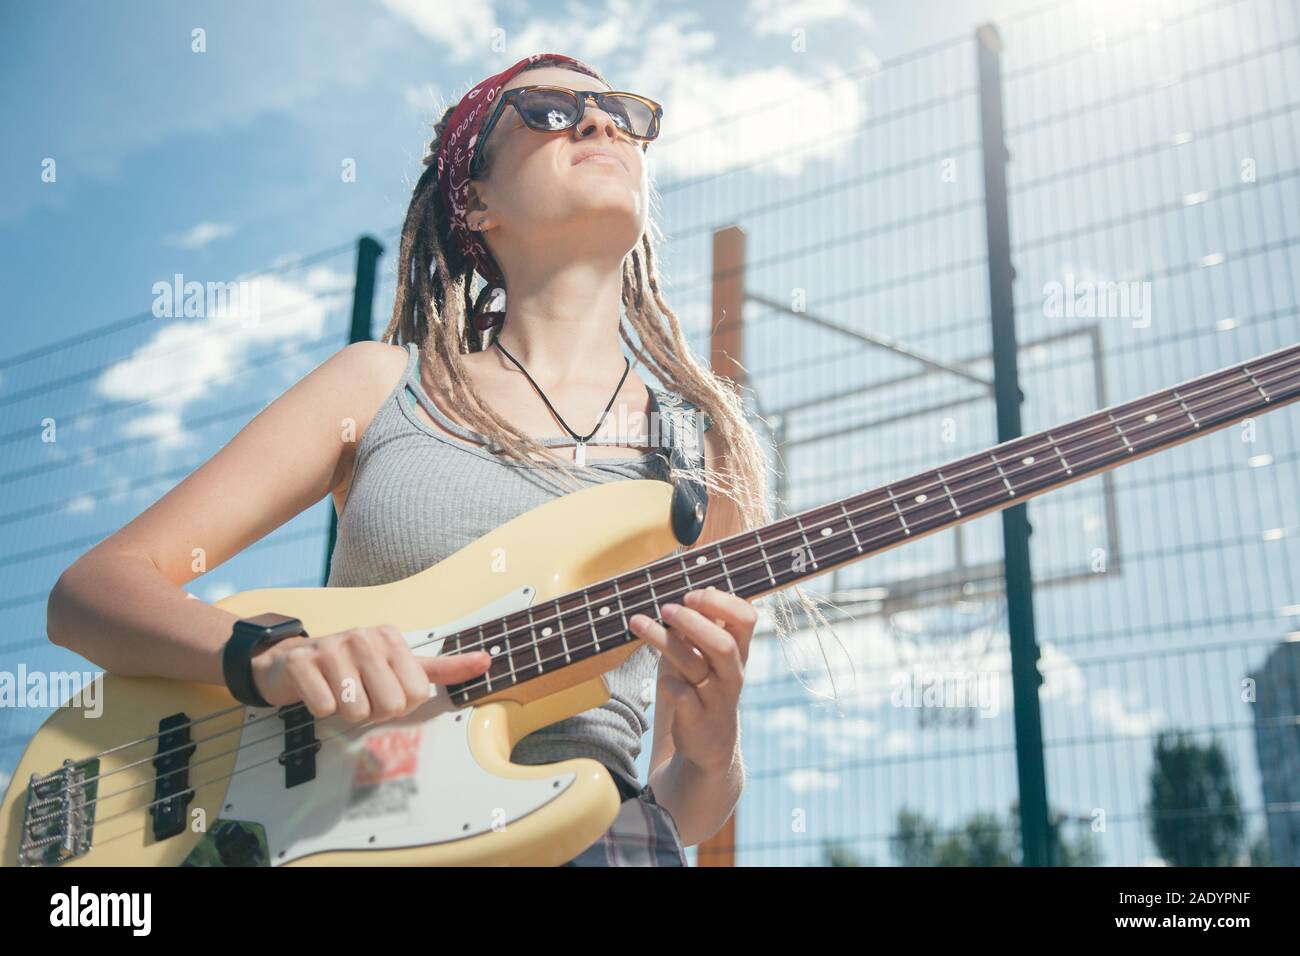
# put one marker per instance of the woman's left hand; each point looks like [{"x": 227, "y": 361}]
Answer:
[{"x": 705, "y": 648}]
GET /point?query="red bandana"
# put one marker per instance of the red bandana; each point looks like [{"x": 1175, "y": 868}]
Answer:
[{"x": 456, "y": 151}]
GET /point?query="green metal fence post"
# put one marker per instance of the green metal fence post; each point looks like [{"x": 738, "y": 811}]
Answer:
[
  {"x": 363, "y": 302},
  {"x": 1035, "y": 829}
]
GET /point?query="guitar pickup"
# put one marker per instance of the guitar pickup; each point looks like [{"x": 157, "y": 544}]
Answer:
[
  {"x": 300, "y": 745},
  {"x": 172, "y": 794}
]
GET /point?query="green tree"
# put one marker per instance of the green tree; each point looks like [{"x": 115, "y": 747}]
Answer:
[
  {"x": 1261, "y": 852},
  {"x": 1195, "y": 818},
  {"x": 835, "y": 853},
  {"x": 914, "y": 839},
  {"x": 1080, "y": 852},
  {"x": 982, "y": 840}
]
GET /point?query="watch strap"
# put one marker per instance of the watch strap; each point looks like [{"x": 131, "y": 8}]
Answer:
[{"x": 248, "y": 636}]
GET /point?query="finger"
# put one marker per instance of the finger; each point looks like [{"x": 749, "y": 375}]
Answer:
[
  {"x": 716, "y": 643},
  {"x": 406, "y": 668},
  {"x": 738, "y": 616},
  {"x": 387, "y": 699},
  {"x": 313, "y": 688},
  {"x": 714, "y": 602},
  {"x": 686, "y": 699},
  {"x": 675, "y": 648},
  {"x": 676, "y": 652},
  {"x": 455, "y": 668},
  {"x": 346, "y": 686}
]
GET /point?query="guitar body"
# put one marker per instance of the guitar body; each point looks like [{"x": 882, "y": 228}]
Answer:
[{"x": 434, "y": 788}]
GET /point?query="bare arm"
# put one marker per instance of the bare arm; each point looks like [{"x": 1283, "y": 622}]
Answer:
[{"x": 122, "y": 606}]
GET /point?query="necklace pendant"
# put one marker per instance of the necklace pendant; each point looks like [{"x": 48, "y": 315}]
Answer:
[{"x": 580, "y": 455}]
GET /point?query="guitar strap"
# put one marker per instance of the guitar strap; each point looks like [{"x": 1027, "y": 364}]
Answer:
[{"x": 683, "y": 445}]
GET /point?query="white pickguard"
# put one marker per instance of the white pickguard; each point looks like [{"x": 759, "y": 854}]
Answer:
[{"x": 407, "y": 782}]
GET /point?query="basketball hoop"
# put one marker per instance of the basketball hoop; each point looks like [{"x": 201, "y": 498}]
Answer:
[{"x": 941, "y": 650}]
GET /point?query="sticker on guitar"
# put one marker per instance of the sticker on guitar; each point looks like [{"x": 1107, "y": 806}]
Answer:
[{"x": 383, "y": 778}]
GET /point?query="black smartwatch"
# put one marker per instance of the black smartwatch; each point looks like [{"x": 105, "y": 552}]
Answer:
[{"x": 249, "y": 636}]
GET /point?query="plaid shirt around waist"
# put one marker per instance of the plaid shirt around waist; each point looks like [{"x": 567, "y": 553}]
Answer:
[{"x": 643, "y": 833}]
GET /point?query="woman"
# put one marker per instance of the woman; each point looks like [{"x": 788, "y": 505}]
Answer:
[{"x": 425, "y": 442}]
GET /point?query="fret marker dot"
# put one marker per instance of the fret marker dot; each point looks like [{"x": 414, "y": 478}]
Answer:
[
  {"x": 921, "y": 498},
  {"x": 1027, "y": 460},
  {"x": 494, "y": 650},
  {"x": 546, "y": 632},
  {"x": 701, "y": 559},
  {"x": 604, "y": 611},
  {"x": 826, "y": 532},
  {"x": 1150, "y": 418}
]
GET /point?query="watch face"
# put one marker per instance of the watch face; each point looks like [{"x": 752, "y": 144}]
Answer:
[
  {"x": 268, "y": 620},
  {"x": 271, "y": 625}
]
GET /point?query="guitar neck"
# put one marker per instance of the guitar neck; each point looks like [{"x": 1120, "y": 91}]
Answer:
[{"x": 753, "y": 563}]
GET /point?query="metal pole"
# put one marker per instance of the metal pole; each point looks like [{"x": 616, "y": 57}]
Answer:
[
  {"x": 363, "y": 302},
  {"x": 726, "y": 352},
  {"x": 1035, "y": 829}
]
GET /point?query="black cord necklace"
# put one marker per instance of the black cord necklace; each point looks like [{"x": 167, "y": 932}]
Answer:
[{"x": 580, "y": 451}]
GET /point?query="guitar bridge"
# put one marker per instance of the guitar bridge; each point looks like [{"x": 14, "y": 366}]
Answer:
[{"x": 59, "y": 817}]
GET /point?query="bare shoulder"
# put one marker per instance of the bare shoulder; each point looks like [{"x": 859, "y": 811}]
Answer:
[
  {"x": 362, "y": 375},
  {"x": 357, "y": 380},
  {"x": 372, "y": 363}
]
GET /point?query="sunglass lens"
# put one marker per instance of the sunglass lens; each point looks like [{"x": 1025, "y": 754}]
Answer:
[
  {"x": 631, "y": 114},
  {"x": 548, "y": 109}
]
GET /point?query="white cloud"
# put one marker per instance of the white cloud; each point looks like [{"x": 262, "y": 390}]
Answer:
[
  {"x": 847, "y": 736},
  {"x": 795, "y": 727},
  {"x": 716, "y": 118},
  {"x": 1124, "y": 716},
  {"x": 808, "y": 780},
  {"x": 782, "y": 16},
  {"x": 1063, "y": 679},
  {"x": 422, "y": 99},
  {"x": 786, "y": 720},
  {"x": 200, "y": 235},
  {"x": 166, "y": 429},
  {"x": 1065, "y": 683},
  {"x": 81, "y": 504},
  {"x": 900, "y": 742},
  {"x": 789, "y": 118},
  {"x": 189, "y": 360},
  {"x": 463, "y": 29}
]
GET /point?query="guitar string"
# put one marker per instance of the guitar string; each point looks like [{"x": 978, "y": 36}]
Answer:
[
  {"x": 349, "y": 730},
  {"x": 1240, "y": 388}
]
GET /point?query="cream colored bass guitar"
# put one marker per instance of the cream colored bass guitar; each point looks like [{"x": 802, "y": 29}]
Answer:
[{"x": 174, "y": 773}]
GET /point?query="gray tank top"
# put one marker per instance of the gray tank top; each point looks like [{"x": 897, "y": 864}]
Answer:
[{"x": 418, "y": 496}]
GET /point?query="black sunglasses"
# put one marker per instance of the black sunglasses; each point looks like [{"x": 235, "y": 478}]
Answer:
[{"x": 551, "y": 109}]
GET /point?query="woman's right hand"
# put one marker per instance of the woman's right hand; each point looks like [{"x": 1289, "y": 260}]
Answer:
[{"x": 365, "y": 673}]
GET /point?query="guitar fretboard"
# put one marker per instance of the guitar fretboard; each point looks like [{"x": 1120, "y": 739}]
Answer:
[{"x": 554, "y": 634}]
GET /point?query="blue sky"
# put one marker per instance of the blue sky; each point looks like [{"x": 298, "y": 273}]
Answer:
[{"x": 220, "y": 163}]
